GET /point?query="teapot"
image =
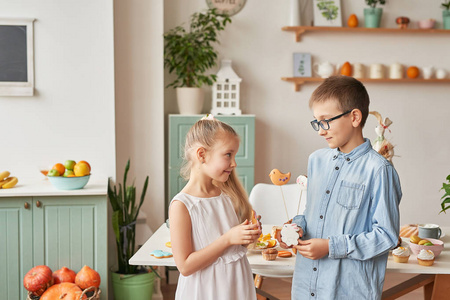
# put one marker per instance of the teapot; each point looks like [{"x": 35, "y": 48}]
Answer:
[{"x": 324, "y": 69}]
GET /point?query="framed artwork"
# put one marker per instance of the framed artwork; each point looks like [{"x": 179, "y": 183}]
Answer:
[
  {"x": 302, "y": 65},
  {"x": 16, "y": 57},
  {"x": 327, "y": 13}
]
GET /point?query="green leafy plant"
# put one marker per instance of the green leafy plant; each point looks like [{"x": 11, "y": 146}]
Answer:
[
  {"x": 446, "y": 5},
  {"x": 125, "y": 212},
  {"x": 446, "y": 198},
  {"x": 373, "y": 3},
  {"x": 190, "y": 53},
  {"x": 329, "y": 9}
]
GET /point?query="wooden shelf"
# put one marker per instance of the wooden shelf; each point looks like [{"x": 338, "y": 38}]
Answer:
[
  {"x": 299, "y": 30},
  {"x": 298, "y": 81}
]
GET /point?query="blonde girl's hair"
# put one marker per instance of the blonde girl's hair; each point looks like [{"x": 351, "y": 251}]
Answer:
[{"x": 205, "y": 133}]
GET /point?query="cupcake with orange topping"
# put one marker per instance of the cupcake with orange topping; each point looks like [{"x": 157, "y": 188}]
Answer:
[
  {"x": 401, "y": 254},
  {"x": 425, "y": 257}
]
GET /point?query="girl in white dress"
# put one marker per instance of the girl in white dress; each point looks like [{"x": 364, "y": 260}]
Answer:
[{"x": 209, "y": 218}]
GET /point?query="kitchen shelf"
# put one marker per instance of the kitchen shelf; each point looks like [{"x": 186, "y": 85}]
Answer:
[
  {"x": 298, "y": 81},
  {"x": 299, "y": 30}
]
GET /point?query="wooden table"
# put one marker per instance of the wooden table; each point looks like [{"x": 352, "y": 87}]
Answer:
[{"x": 434, "y": 279}]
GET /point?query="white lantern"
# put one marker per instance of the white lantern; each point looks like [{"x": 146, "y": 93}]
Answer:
[{"x": 225, "y": 97}]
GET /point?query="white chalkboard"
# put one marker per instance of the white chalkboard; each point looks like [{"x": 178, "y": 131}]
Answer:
[{"x": 16, "y": 57}]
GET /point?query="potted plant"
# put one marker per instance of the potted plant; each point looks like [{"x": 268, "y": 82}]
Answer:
[
  {"x": 129, "y": 282},
  {"x": 446, "y": 198},
  {"x": 446, "y": 14},
  {"x": 189, "y": 54},
  {"x": 372, "y": 15}
]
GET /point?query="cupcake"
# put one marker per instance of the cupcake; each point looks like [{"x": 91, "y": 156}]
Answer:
[
  {"x": 270, "y": 254},
  {"x": 400, "y": 254},
  {"x": 425, "y": 257}
]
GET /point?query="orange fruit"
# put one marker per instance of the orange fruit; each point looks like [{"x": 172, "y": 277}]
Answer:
[
  {"x": 412, "y": 72},
  {"x": 346, "y": 69},
  {"x": 272, "y": 243},
  {"x": 81, "y": 169},
  {"x": 352, "y": 21},
  {"x": 83, "y": 161},
  {"x": 60, "y": 168}
]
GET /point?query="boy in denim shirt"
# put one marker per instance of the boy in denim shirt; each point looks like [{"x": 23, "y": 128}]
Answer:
[{"x": 351, "y": 218}]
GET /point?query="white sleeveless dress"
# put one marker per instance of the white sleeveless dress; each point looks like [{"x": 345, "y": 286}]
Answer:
[{"x": 230, "y": 276}]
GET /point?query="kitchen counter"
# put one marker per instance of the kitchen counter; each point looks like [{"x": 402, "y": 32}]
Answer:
[{"x": 33, "y": 187}]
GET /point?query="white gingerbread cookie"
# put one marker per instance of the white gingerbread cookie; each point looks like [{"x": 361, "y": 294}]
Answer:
[{"x": 289, "y": 234}]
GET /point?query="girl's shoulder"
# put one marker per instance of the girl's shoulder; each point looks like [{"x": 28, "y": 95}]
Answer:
[{"x": 190, "y": 200}]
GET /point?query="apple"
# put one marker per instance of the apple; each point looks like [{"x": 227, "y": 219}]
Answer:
[
  {"x": 53, "y": 172},
  {"x": 69, "y": 173},
  {"x": 69, "y": 164}
]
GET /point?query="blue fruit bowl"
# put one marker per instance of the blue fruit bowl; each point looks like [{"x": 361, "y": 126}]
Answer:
[{"x": 69, "y": 183}]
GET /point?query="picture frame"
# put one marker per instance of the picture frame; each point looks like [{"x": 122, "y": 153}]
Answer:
[
  {"x": 302, "y": 65},
  {"x": 16, "y": 57},
  {"x": 327, "y": 13}
]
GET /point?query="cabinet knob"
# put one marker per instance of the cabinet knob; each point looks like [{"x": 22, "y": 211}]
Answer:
[
  {"x": 26, "y": 205},
  {"x": 38, "y": 203}
]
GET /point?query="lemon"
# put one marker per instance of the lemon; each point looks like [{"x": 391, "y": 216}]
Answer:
[
  {"x": 414, "y": 239},
  {"x": 422, "y": 242},
  {"x": 81, "y": 169}
]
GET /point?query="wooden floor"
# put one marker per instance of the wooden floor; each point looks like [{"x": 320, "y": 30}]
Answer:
[{"x": 281, "y": 288}]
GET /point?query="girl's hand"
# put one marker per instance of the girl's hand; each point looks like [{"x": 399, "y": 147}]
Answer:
[
  {"x": 313, "y": 248},
  {"x": 243, "y": 234}
]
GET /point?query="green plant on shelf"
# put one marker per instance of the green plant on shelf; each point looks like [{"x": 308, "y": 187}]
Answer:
[
  {"x": 373, "y": 3},
  {"x": 446, "y": 5},
  {"x": 446, "y": 198},
  {"x": 329, "y": 10}
]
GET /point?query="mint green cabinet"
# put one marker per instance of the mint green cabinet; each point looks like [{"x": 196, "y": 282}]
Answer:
[
  {"x": 55, "y": 231},
  {"x": 179, "y": 125}
]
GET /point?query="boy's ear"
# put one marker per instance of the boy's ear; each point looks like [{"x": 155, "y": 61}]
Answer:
[{"x": 356, "y": 116}]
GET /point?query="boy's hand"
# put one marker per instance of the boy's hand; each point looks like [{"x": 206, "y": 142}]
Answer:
[{"x": 313, "y": 248}]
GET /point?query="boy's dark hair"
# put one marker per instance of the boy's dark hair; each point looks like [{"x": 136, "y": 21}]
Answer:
[{"x": 347, "y": 91}]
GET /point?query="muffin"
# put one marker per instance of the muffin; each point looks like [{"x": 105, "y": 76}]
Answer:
[
  {"x": 425, "y": 257},
  {"x": 270, "y": 254},
  {"x": 401, "y": 254}
]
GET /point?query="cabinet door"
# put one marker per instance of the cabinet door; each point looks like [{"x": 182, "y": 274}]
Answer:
[
  {"x": 71, "y": 231},
  {"x": 16, "y": 246},
  {"x": 244, "y": 126}
]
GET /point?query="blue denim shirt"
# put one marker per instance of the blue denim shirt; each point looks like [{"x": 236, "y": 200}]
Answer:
[{"x": 353, "y": 201}]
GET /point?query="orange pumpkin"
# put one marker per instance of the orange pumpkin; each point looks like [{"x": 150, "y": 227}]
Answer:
[
  {"x": 412, "y": 72},
  {"x": 65, "y": 291},
  {"x": 38, "y": 279},
  {"x": 64, "y": 275},
  {"x": 352, "y": 21},
  {"x": 87, "y": 278},
  {"x": 346, "y": 69}
]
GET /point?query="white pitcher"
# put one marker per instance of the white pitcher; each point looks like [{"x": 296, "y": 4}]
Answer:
[
  {"x": 324, "y": 69},
  {"x": 427, "y": 72}
]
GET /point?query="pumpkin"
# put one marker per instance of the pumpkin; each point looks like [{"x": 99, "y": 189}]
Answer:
[
  {"x": 38, "y": 279},
  {"x": 64, "y": 275},
  {"x": 87, "y": 278},
  {"x": 64, "y": 291}
]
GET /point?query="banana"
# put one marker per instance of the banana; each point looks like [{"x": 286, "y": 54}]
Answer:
[
  {"x": 10, "y": 182},
  {"x": 4, "y": 175}
]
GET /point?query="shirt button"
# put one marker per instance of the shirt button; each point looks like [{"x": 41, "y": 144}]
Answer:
[
  {"x": 328, "y": 191},
  {"x": 315, "y": 269},
  {"x": 337, "y": 168},
  {"x": 321, "y": 217},
  {"x": 348, "y": 159},
  {"x": 312, "y": 294},
  {"x": 334, "y": 157}
]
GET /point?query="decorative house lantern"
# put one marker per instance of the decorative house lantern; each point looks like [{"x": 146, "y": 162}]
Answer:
[{"x": 225, "y": 97}]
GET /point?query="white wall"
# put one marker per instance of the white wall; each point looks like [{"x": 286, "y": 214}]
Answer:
[
  {"x": 71, "y": 115},
  {"x": 262, "y": 53}
]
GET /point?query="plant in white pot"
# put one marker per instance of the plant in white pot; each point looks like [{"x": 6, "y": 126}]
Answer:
[
  {"x": 372, "y": 15},
  {"x": 445, "y": 204},
  {"x": 189, "y": 53},
  {"x": 129, "y": 281},
  {"x": 446, "y": 14}
]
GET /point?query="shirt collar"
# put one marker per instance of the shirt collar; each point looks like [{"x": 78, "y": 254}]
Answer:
[{"x": 355, "y": 153}]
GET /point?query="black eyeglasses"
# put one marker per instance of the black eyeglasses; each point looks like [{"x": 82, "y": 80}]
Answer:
[{"x": 325, "y": 124}]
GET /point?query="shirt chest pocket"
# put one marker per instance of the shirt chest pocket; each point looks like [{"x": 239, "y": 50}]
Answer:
[{"x": 350, "y": 195}]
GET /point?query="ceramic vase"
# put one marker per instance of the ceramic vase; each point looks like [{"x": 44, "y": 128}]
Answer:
[
  {"x": 294, "y": 13},
  {"x": 446, "y": 19},
  {"x": 190, "y": 100},
  {"x": 372, "y": 17}
]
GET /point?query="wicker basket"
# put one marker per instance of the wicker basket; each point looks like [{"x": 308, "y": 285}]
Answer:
[{"x": 92, "y": 293}]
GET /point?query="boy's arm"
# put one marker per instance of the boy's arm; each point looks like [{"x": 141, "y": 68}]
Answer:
[{"x": 386, "y": 195}]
